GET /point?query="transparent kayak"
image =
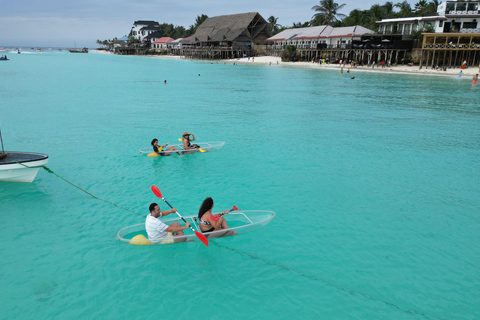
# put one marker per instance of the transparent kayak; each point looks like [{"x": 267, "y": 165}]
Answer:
[
  {"x": 204, "y": 147},
  {"x": 239, "y": 222}
]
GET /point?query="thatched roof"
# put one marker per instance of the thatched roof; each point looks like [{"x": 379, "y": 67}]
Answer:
[{"x": 242, "y": 27}]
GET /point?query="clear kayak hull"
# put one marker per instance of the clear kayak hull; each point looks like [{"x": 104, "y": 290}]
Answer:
[
  {"x": 204, "y": 147},
  {"x": 239, "y": 222}
]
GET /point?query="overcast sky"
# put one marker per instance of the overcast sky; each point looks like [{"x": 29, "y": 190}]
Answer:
[{"x": 61, "y": 23}]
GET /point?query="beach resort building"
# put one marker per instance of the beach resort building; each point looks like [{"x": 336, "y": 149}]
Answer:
[
  {"x": 452, "y": 17},
  {"x": 450, "y": 38},
  {"x": 228, "y": 36},
  {"x": 143, "y": 28},
  {"x": 318, "y": 37},
  {"x": 161, "y": 43}
]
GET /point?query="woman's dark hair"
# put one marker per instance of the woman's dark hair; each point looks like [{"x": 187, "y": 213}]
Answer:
[
  {"x": 153, "y": 141},
  {"x": 207, "y": 204}
]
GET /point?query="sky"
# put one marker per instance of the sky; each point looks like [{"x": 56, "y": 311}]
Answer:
[{"x": 69, "y": 23}]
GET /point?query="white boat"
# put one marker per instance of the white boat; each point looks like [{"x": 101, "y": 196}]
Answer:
[
  {"x": 204, "y": 147},
  {"x": 239, "y": 222},
  {"x": 21, "y": 166}
]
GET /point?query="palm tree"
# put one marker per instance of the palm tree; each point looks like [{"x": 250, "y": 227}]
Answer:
[
  {"x": 376, "y": 13},
  {"x": 388, "y": 8},
  {"x": 327, "y": 12},
  {"x": 356, "y": 17},
  {"x": 433, "y": 6},
  {"x": 405, "y": 8},
  {"x": 421, "y": 6},
  {"x": 273, "y": 26}
]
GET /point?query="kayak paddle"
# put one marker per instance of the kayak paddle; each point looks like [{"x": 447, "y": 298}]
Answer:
[
  {"x": 200, "y": 236},
  {"x": 215, "y": 217}
]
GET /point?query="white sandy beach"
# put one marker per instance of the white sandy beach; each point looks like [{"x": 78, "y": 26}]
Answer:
[{"x": 276, "y": 61}]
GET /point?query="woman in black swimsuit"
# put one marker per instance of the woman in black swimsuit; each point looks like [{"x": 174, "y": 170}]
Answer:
[
  {"x": 186, "y": 141},
  {"x": 159, "y": 149},
  {"x": 209, "y": 222}
]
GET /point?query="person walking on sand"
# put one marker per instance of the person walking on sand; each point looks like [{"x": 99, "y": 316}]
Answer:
[
  {"x": 373, "y": 65},
  {"x": 383, "y": 64}
]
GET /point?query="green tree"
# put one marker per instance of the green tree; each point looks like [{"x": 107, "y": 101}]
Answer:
[
  {"x": 273, "y": 26},
  {"x": 327, "y": 12},
  {"x": 356, "y": 17},
  {"x": 432, "y": 6},
  {"x": 376, "y": 13},
  {"x": 421, "y": 7},
  {"x": 405, "y": 8},
  {"x": 388, "y": 9}
]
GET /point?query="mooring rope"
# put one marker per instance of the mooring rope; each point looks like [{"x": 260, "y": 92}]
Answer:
[{"x": 91, "y": 195}]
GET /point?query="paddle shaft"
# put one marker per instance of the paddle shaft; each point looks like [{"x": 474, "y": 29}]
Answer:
[{"x": 178, "y": 214}]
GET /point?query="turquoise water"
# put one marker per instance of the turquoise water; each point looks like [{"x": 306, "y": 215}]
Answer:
[{"x": 374, "y": 182}]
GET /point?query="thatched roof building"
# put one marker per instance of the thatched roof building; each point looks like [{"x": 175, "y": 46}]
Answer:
[{"x": 235, "y": 29}]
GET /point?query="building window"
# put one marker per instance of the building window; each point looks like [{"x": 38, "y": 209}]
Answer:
[
  {"x": 440, "y": 24},
  {"x": 469, "y": 25}
]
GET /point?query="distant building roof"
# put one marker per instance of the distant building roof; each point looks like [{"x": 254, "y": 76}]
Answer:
[
  {"x": 187, "y": 40},
  {"x": 164, "y": 40},
  {"x": 155, "y": 34},
  {"x": 124, "y": 38},
  {"x": 234, "y": 27},
  {"x": 320, "y": 32},
  {"x": 412, "y": 19},
  {"x": 146, "y": 22}
]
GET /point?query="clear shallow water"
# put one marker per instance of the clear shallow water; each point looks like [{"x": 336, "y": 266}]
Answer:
[{"x": 374, "y": 182}]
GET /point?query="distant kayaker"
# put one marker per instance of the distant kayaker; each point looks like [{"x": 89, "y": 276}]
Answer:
[
  {"x": 157, "y": 230},
  {"x": 157, "y": 148},
  {"x": 209, "y": 222},
  {"x": 186, "y": 141}
]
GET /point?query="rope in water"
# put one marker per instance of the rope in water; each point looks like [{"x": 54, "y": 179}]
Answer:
[
  {"x": 91, "y": 195},
  {"x": 113, "y": 204}
]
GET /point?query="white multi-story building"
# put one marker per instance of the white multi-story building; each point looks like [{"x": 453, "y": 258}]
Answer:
[
  {"x": 143, "y": 28},
  {"x": 452, "y": 17}
]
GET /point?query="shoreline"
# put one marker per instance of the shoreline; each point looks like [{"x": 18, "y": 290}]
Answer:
[{"x": 276, "y": 62}]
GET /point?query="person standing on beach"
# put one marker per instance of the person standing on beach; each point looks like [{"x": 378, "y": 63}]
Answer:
[
  {"x": 373, "y": 65},
  {"x": 157, "y": 230},
  {"x": 383, "y": 64},
  {"x": 460, "y": 74}
]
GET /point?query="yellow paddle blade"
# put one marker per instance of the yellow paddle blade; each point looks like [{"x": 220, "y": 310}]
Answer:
[
  {"x": 180, "y": 139},
  {"x": 201, "y": 150},
  {"x": 153, "y": 154}
]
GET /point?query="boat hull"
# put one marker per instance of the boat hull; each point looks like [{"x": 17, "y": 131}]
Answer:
[{"x": 21, "y": 166}]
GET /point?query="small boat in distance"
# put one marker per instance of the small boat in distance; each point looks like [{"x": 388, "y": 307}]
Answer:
[{"x": 84, "y": 50}]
